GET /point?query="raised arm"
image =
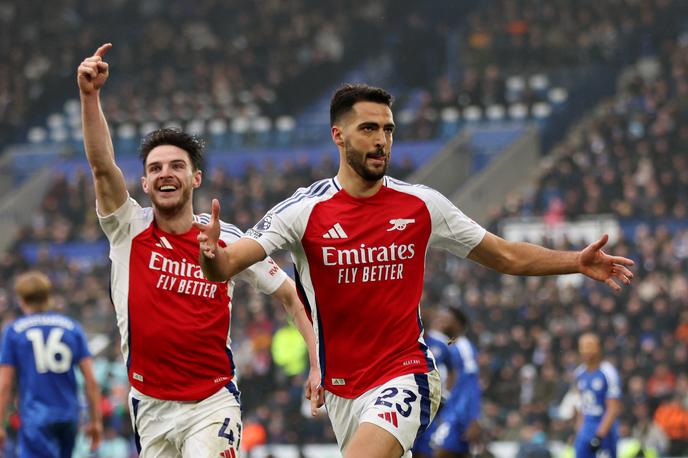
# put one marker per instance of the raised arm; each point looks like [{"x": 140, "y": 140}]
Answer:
[
  {"x": 110, "y": 186},
  {"x": 95, "y": 426},
  {"x": 222, "y": 263},
  {"x": 286, "y": 293},
  {"x": 520, "y": 258}
]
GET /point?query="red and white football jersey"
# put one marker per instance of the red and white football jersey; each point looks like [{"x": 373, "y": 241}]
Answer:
[
  {"x": 174, "y": 323},
  {"x": 360, "y": 264}
]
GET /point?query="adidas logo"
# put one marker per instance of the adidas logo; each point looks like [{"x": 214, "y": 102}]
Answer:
[
  {"x": 390, "y": 417},
  {"x": 335, "y": 232},
  {"x": 164, "y": 243}
]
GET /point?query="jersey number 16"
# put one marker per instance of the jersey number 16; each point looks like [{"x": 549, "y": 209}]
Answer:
[{"x": 51, "y": 354}]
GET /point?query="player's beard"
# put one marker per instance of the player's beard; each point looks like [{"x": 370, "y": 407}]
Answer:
[
  {"x": 171, "y": 208},
  {"x": 358, "y": 161}
]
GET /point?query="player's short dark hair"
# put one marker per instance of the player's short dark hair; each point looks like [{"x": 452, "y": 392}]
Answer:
[
  {"x": 347, "y": 95},
  {"x": 193, "y": 145},
  {"x": 459, "y": 315}
]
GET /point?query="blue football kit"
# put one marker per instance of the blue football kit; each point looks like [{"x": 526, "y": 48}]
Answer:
[
  {"x": 595, "y": 388},
  {"x": 44, "y": 349},
  {"x": 463, "y": 404}
]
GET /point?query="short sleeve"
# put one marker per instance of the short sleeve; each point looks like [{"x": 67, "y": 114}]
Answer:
[
  {"x": 275, "y": 231},
  {"x": 613, "y": 383},
  {"x": 284, "y": 225},
  {"x": 451, "y": 229},
  {"x": 466, "y": 356},
  {"x": 81, "y": 350},
  {"x": 117, "y": 226}
]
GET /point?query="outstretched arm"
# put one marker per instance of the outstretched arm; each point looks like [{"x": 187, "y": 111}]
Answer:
[
  {"x": 110, "y": 186},
  {"x": 286, "y": 293},
  {"x": 520, "y": 258},
  {"x": 222, "y": 263}
]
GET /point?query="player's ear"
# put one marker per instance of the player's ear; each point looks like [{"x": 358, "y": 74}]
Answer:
[
  {"x": 144, "y": 184},
  {"x": 337, "y": 135},
  {"x": 197, "y": 178}
]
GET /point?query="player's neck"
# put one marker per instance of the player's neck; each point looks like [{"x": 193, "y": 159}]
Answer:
[
  {"x": 355, "y": 185},
  {"x": 179, "y": 222},
  {"x": 593, "y": 365}
]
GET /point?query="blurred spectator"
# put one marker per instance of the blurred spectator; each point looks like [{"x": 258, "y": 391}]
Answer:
[
  {"x": 289, "y": 351},
  {"x": 533, "y": 443},
  {"x": 682, "y": 327},
  {"x": 223, "y": 60},
  {"x": 661, "y": 382},
  {"x": 672, "y": 417},
  {"x": 253, "y": 434}
]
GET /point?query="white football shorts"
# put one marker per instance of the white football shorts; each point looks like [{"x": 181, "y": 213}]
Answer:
[
  {"x": 179, "y": 429},
  {"x": 403, "y": 406}
]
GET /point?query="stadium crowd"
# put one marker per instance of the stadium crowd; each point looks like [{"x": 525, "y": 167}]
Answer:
[
  {"x": 532, "y": 34},
  {"x": 629, "y": 161},
  {"x": 205, "y": 59},
  {"x": 212, "y": 66},
  {"x": 514, "y": 55}
]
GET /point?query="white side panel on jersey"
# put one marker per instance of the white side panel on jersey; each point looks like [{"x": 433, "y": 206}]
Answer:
[
  {"x": 470, "y": 365},
  {"x": 307, "y": 284},
  {"x": 612, "y": 376},
  {"x": 120, "y": 227},
  {"x": 421, "y": 340}
]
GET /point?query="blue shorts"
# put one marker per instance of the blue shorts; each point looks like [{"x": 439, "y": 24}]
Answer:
[
  {"x": 450, "y": 436},
  {"x": 51, "y": 440},
  {"x": 607, "y": 445}
]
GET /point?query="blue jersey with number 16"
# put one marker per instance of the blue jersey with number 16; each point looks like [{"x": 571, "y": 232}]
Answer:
[{"x": 44, "y": 348}]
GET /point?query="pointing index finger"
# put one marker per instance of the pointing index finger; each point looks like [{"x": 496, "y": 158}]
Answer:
[
  {"x": 100, "y": 52},
  {"x": 215, "y": 210}
]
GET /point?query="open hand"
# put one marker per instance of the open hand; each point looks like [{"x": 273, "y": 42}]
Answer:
[{"x": 598, "y": 265}]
